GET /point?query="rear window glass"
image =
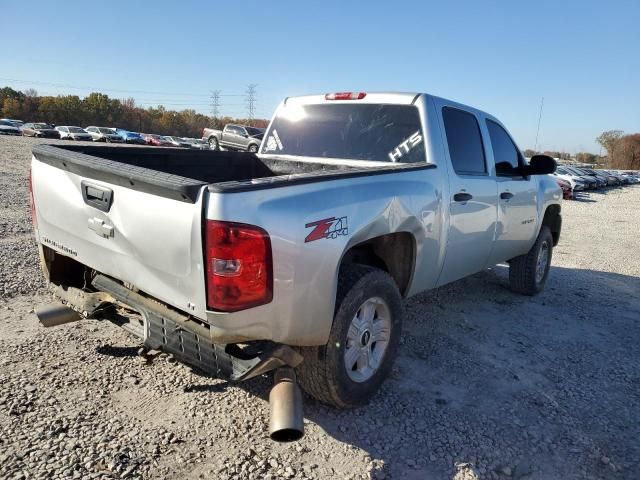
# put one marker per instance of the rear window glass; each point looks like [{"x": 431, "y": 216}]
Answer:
[{"x": 384, "y": 133}]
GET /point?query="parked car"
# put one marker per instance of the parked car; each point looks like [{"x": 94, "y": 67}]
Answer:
[
  {"x": 610, "y": 179},
  {"x": 577, "y": 185},
  {"x": 234, "y": 137},
  {"x": 567, "y": 191},
  {"x": 567, "y": 171},
  {"x": 235, "y": 262},
  {"x": 197, "y": 143},
  {"x": 176, "y": 141},
  {"x": 73, "y": 133},
  {"x": 16, "y": 123},
  {"x": 103, "y": 134},
  {"x": 590, "y": 174},
  {"x": 40, "y": 130},
  {"x": 8, "y": 128},
  {"x": 130, "y": 137},
  {"x": 157, "y": 140}
]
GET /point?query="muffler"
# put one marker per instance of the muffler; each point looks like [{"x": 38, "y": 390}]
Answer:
[
  {"x": 285, "y": 399},
  {"x": 56, "y": 314}
]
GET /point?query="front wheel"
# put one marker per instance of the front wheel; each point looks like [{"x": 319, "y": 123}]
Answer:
[
  {"x": 363, "y": 342},
  {"x": 528, "y": 273}
]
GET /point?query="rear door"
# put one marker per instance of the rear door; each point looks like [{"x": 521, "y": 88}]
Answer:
[
  {"x": 473, "y": 194},
  {"x": 149, "y": 241},
  {"x": 517, "y": 197}
]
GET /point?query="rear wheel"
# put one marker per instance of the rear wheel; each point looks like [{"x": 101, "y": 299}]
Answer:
[
  {"x": 253, "y": 148},
  {"x": 528, "y": 273},
  {"x": 363, "y": 343},
  {"x": 213, "y": 143}
]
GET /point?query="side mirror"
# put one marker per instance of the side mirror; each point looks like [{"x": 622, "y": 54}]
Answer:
[{"x": 540, "y": 165}]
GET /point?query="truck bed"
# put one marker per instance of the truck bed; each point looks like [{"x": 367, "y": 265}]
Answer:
[{"x": 180, "y": 174}]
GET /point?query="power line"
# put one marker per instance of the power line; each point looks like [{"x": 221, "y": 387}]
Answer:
[
  {"x": 251, "y": 100},
  {"x": 76, "y": 87}
]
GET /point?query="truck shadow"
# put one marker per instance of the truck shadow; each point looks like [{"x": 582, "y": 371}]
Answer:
[{"x": 490, "y": 384}]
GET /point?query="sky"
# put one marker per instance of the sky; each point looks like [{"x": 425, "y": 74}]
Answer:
[{"x": 503, "y": 57}]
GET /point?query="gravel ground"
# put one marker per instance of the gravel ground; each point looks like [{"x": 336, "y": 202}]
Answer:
[{"x": 489, "y": 384}]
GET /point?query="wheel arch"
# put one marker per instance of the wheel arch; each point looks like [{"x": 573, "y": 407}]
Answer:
[
  {"x": 394, "y": 253},
  {"x": 553, "y": 220}
]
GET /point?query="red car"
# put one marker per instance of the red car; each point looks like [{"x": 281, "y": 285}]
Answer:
[
  {"x": 156, "y": 140},
  {"x": 567, "y": 193}
]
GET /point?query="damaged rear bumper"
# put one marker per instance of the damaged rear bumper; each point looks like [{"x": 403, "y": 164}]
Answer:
[{"x": 171, "y": 331}]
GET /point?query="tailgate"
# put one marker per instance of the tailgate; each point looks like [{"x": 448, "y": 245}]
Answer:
[{"x": 150, "y": 241}]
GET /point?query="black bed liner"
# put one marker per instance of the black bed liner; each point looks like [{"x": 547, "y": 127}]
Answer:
[{"x": 180, "y": 174}]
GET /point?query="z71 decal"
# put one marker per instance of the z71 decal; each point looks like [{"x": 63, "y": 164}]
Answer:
[{"x": 327, "y": 228}]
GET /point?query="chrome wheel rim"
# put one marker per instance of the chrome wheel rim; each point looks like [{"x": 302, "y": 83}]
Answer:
[
  {"x": 543, "y": 259},
  {"x": 367, "y": 339}
]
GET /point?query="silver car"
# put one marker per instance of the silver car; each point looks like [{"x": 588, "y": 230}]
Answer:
[
  {"x": 103, "y": 134},
  {"x": 73, "y": 133}
]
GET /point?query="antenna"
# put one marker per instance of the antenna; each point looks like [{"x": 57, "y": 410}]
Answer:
[
  {"x": 251, "y": 100},
  {"x": 538, "y": 130},
  {"x": 215, "y": 103}
]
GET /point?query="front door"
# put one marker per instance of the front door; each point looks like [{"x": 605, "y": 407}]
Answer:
[
  {"x": 517, "y": 212},
  {"x": 473, "y": 196}
]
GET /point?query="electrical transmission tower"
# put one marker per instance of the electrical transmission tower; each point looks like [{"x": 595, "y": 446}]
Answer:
[
  {"x": 215, "y": 103},
  {"x": 251, "y": 100}
]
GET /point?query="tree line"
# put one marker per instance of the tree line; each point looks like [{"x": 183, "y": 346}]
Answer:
[
  {"x": 623, "y": 151},
  {"x": 101, "y": 110}
]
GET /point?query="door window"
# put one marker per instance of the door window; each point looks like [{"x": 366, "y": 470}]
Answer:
[
  {"x": 505, "y": 153},
  {"x": 465, "y": 142}
]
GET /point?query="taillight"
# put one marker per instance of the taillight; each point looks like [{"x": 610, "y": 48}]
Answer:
[
  {"x": 32, "y": 203},
  {"x": 239, "y": 267},
  {"x": 345, "y": 96}
]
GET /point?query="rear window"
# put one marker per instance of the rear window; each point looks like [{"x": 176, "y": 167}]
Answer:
[
  {"x": 384, "y": 133},
  {"x": 464, "y": 141}
]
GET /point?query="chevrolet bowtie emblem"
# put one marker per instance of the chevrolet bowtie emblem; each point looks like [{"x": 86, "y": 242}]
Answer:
[{"x": 100, "y": 227}]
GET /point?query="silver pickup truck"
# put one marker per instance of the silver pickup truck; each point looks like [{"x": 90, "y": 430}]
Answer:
[
  {"x": 295, "y": 259},
  {"x": 234, "y": 137}
]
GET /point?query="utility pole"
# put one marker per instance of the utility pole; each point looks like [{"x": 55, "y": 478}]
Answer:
[
  {"x": 538, "y": 130},
  {"x": 215, "y": 104},
  {"x": 251, "y": 101}
]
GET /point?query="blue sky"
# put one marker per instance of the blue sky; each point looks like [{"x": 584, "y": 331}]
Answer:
[{"x": 499, "y": 56}]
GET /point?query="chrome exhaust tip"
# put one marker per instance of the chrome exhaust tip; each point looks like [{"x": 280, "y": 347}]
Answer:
[
  {"x": 56, "y": 314},
  {"x": 285, "y": 400}
]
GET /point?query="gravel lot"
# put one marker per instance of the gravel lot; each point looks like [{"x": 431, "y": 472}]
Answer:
[{"x": 489, "y": 384}]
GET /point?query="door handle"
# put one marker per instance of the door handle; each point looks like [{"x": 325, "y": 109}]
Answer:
[
  {"x": 462, "y": 197},
  {"x": 506, "y": 195}
]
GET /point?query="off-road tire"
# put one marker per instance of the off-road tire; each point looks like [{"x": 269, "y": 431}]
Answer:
[
  {"x": 323, "y": 374},
  {"x": 522, "y": 269}
]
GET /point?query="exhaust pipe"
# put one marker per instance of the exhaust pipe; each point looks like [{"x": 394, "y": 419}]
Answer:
[
  {"x": 56, "y": 314},
  {"x": 285, "y": 399}
]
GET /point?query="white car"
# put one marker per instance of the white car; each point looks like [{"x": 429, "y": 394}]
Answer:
[
  {"x": 576, "y": 184},
  {"x": 8, "y": 128},
  {"x": 73, "y": 133},
  {"x": 16, "y": 123},
  {"x": 103, "y": 134}
]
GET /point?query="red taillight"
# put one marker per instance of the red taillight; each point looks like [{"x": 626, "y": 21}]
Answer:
[
  {"x": 32, "y": 203},
  {"x": 239, "y": 267},
  {"x": 345, "y": 96}
]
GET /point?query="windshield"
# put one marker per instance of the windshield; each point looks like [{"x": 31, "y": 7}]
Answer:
[
  {"x": 106, "y": 131},
  {"x": 41, "y": 126},
  {"x": 76, "y": 130},
  {"x": 385, "y": 133},
  {"x": 5, "y": 123}
]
